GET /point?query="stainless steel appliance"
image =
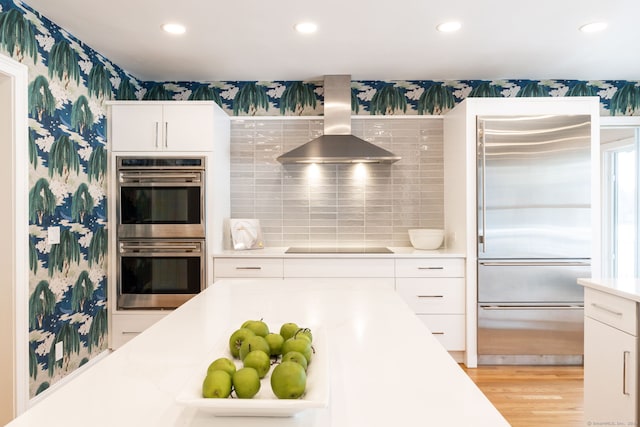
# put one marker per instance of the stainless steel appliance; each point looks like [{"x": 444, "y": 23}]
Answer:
[
  {"x": 161, "y": 256},
  {"x": 159, "y": 273},
  {"x": 533, "y": 237},
  {"x": 161, "y": 197}
]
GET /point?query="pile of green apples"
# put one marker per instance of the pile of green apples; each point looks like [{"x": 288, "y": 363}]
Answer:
[{"x": 258, "y": 349}]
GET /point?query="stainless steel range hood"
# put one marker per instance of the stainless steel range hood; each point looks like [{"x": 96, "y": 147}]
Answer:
[{"x": 337, "y": 145}]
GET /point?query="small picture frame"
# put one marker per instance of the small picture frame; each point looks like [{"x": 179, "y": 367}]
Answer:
[{"x": 246, "y": 234}]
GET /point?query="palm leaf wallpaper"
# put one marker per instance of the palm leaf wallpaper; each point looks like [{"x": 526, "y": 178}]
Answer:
[{"x": 69, "y": 84}]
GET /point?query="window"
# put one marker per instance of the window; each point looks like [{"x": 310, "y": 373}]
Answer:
[{"x": 620, "y": 154}]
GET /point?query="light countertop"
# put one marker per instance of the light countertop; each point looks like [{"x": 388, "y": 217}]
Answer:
[
  {"x": 628, "y": 288},
  {"x": 398, "y": 252},
  {"x": 385, "y": 367}
]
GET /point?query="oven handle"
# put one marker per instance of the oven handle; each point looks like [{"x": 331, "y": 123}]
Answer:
[
  {"x": 164, "y": 177},
  {"x": 136, "y": 248}
]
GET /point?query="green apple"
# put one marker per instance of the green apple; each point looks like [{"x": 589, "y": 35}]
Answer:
[
  {"x": 295, "y": 356},
  {"x": 257, "y": 326},
  {"x": 222, "y": 364},
  {"x": 237, "y": 338},
  {"x": 275, "y": 342},
  {"x": 255, "y": 342},
  {"x": 288, "y": 329},
  {"x": 301, "y": 345},
  {"x": 246, "y": 383},
  {"x": 304, "y": 333},
  {"x": 288, "y": 380},
  {"x": 216, "y": 384},
  {"x": 258, "y": 360}
]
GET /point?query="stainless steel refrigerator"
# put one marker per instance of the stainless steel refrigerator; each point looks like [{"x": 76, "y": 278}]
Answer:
[{"x": 534, "y": 232}]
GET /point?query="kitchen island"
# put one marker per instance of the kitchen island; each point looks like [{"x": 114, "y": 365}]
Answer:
[{"x": 384, "y": 370}]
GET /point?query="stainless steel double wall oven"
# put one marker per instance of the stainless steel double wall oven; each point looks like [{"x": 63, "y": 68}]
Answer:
[{"x": 161, "y": 226}]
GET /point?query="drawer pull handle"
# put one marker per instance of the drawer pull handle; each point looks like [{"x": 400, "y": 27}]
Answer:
[
  {"x": 130, "y": 332},
  {"x": 430, "y": 268},
  {"x": 607, "y": 309},
  {"x": 430, "y": 296},
  {"x": 625, "y": 361},
  {"x": 248, "y": 268},
  {"x": 437, "y": 333}
]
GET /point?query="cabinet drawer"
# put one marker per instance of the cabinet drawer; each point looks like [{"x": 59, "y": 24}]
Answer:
[
  {"x": 434, "y": 295},
  {"x": 338, "y": 267},
  {"x": 612, "y": 310},
  {"x": 125, "y": 327},
  {"x": 449, "y": 329},
  {"x": 247, "y": 267},
  {"x": 430, "y": 267}
]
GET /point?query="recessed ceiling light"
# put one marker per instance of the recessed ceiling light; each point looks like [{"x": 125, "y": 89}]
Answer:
[
  {"x": 449, "y": 27},
  {"x": 173, "y": 28},
  {"x": 593, "y": 27},
  {"x": 306, "y": 27}
]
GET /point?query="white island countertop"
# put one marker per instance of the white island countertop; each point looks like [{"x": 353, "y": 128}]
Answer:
[
  {"x": 628, "y": 288},
  {"x": 386, "y": 369}
]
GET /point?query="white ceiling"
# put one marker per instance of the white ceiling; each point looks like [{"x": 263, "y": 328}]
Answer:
[{"x": 369, "y": 39}]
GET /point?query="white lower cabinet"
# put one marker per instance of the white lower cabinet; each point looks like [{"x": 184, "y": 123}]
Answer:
[
  {"x": 449, "y": 329},
  {"x": 247, "y": 268},
  {"x": 610, "y": 360},
  {"x": 339, "y": 267},
  {"x": 126, "y": 326},
  {"x": 434, "y": 288}
]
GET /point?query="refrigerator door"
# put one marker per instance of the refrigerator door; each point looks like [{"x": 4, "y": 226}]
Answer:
[
  {"x": 534, "y": 186},
  {"x": 531, "y": 281},
  {"x": 530, "y": 334}
]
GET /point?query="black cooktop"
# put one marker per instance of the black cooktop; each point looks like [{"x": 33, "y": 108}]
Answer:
[{"x": 334, "y": 250}]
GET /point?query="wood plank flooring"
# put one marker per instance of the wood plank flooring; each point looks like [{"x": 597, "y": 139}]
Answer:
[{"x": 534, "y": 396}]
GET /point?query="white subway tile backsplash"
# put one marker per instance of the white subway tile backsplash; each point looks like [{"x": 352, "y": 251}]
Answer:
[{"x": 350, "y": 205}]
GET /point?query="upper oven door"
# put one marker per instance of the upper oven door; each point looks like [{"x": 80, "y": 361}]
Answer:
[{"x": 161, "y": 203}]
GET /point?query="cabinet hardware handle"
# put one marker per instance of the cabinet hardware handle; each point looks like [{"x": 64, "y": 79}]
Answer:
[
  {"x": 130, "y": 332},
  {"x": 437, "y": 333},
  {"x": 607, "y": 309},
  {"x": 430, "y": 268},
  {"x": 625, "y": 359},
  {"x": 157, "y": 124},
  {"x": 248, "y": 268},
  {"x": 166, "y": 134},
  {"x": 430, "y": 296}
]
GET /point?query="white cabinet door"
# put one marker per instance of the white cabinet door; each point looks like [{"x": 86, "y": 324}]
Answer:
[
  {"x": 162, "y": 127},
  {"x": 339, "y": 267},
  {"x": 610, "y": 371},
  {"x": 125, "y": 327},
  {"x": 136, "y": 127},
  {"x": 247, "y": 268},
  {"x": 188, "y": 128}
]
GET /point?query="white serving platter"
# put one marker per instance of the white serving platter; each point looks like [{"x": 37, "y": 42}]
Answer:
[{"x": 265, "y": 403}]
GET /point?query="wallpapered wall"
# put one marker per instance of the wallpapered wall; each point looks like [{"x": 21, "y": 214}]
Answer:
[{"x": 68, "y": 85}]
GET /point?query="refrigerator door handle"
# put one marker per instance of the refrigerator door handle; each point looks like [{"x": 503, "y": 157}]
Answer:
[
  {"x": 535, "y": 263},
  {"x": 483, "y": 163},
  {"x": 531, "y": 307}
]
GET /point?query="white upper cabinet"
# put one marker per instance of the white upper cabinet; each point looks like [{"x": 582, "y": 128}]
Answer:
[{"x": 171, "y": 126}]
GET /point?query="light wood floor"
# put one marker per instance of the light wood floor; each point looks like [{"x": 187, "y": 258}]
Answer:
[{"x": 534, "y": 396}]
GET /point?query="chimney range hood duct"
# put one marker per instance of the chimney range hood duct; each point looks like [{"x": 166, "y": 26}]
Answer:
[{"x": 337, "y": 145}]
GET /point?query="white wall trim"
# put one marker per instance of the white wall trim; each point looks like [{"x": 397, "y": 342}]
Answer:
[{"x": 19, "y": 75}]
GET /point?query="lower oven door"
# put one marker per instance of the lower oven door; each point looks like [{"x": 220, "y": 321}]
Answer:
[
  {"x": 529, "y": 333},
  {"x": 159, "y": 273}
]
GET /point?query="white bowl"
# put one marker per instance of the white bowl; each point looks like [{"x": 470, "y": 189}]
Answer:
[{"x": 426, "y": 238}]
